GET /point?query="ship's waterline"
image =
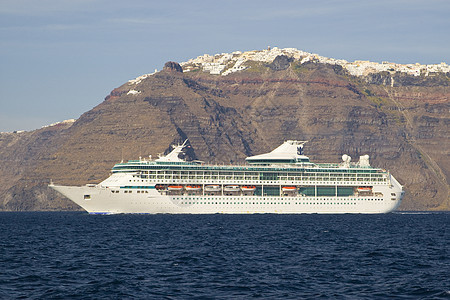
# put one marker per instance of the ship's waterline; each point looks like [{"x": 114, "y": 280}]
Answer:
[{"x": 282, "y": 181}]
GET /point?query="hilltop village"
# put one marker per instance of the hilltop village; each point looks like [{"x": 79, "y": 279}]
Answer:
[{"x": 227, "y": 63}]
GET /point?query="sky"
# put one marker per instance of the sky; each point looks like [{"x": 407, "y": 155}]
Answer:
[{"x": 61, "y": 58}]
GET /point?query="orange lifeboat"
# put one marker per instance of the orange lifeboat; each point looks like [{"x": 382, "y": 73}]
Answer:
[
  {"x": 248, "y": 188},
  {"x": 289, "y": 188},
  {"x": 193, "y": 188},
  {"x": 175, "y": 187},
  {"x": 364, "y": 189}
]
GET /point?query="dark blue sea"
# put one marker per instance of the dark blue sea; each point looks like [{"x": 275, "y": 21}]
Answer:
[{"x": 62, "y": 255}]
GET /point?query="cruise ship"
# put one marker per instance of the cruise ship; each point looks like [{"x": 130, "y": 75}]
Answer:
[{"x": 283, "y": 181}]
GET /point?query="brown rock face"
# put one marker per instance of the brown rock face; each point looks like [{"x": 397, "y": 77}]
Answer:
[
  {"x": 173, "y": 66},
  {"x": 281, "y": 62},
  {"x": 404, "y": 129}
]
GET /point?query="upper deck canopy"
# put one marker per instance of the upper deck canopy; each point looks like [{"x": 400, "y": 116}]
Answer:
[{"x": 289, "y": 152}]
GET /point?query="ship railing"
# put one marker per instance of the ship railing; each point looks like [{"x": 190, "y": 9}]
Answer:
[
  {"x": 251, "y": 168},
  {"x": 269, "y": 182}
]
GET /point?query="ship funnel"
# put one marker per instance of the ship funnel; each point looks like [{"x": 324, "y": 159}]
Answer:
[
  {"x": 346, "y": 160},
  {"x": 364, "y": 161}
]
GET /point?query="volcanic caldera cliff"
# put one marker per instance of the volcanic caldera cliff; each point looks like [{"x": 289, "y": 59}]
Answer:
[{"x": 231, "y": 106}]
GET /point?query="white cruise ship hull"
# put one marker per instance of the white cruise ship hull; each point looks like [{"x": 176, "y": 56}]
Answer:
[
  {"x": 105, "y": 200},
  {"x": 283, "y": 181}
]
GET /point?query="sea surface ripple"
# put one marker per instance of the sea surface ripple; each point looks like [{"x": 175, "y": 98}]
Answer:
[{"x": 73, "y": 255}]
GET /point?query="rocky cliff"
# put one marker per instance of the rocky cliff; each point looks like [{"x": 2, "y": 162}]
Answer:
[{"x": 230, "y": 108}]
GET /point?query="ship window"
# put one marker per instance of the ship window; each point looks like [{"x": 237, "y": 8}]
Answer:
[{"x": 87, "y": 197}]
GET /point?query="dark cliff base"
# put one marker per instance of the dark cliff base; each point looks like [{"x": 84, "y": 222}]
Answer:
[{"x": 403, "y": 128}]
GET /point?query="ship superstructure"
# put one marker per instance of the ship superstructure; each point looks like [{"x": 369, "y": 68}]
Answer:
[{"x": 282, "y": 181}]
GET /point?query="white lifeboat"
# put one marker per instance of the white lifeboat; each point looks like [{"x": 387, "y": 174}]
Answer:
[
  {"x": 175, "y": 187},
  {"x": 247, "y": 188},
  {"x": 231, "y": 188},
  {"x": 289, "y": 188},
  {"x": 212, "y": 188}
]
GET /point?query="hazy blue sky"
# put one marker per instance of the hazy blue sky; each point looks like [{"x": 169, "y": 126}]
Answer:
[{"x": 60, "y": 58}]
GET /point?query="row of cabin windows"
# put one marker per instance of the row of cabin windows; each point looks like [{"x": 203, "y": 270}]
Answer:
[
  {"x": 241, "y": 199},
  {"x": 267, "y": 203},
  {"x": 88, "y": 197},
  {"x": 341, "y": 191},
  {"x": 274, "y": 203},
  {"x": 333, "y": 177},
  {"x": 305, "y": 191},
  {"x": 243, "y": 169},
  {"x": 260, "y": 175}
]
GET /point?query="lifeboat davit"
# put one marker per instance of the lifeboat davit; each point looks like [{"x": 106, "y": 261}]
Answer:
[
  {"x": 193, "y": 188},
  {"x": 212, "y": 188},
  {"x": 231, "y": 188},
  {"x": 175, "y": 187},
  {"x": 289, "y": 188},
  {"x": 248, "y": 188}
]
